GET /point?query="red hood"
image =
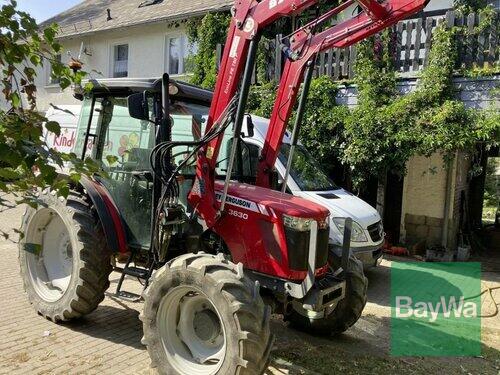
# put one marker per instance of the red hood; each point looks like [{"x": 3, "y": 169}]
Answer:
[{"x": 280, "y": 202}]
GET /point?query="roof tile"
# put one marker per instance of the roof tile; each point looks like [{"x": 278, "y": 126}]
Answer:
[{"x": 91, "y": 15}]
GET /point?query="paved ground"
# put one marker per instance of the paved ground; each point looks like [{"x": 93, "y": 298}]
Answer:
[{"x": 108, "y": 340}]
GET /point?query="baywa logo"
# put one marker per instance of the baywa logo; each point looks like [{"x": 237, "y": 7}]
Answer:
[
  {"x": 451, "y": 307},
  {"x": 435, "y": 309}
]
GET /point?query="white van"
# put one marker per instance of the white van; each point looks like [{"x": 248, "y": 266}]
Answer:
[
  {"x": 67, "y": 116},
  {"x": 306, "y": 178}
]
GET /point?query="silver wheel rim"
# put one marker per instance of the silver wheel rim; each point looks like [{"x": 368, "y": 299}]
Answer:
[
  {"x": 49, "y": 255},
  {"x": 191, "y": 331}
]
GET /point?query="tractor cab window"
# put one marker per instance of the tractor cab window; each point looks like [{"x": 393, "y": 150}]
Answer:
[
  {"x": 188, "y": 124},
  {"x": 81, "y": 131},
  {"x": 122, "y": 145},
  {"x": 115, "y": 139},
  {"x": 125, "y": 142}
]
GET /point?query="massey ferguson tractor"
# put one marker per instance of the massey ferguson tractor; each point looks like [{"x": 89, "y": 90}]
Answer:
[{"x": 215, "y": 250}]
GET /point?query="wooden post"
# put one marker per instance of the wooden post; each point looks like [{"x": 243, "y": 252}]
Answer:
[
  {"x": 345, "y": 70},
  {"x": 428, "y": 38},
  {"x": 399, "y": 35},
  {"x": 336, "y": 70},
  {"x": 416, "y": 47},
  {"x": 493, "y": 41},
  {"x": 409, "y": 32},
  {"x": 481, "y": 45},
  {"x": 469, "y": 56},
  {"x": 321, "y": 69},
  {"x": 352, "y": 60},
  {"x": 329, "y": 63}
]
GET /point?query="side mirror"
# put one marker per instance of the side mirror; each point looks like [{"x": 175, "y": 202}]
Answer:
[
  {"x": 250, "y": 127},
  {"x": 138, "y": 106},
  {"x": 274, "y": 178}
]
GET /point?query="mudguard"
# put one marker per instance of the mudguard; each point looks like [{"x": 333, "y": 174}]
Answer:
[{"x": 109, "y": 215}]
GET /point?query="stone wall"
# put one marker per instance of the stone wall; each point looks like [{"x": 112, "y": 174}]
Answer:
[{"x": 421, "y": 229}]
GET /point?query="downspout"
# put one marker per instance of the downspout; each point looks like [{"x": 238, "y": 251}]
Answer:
[{"x": 447, "y": 203}]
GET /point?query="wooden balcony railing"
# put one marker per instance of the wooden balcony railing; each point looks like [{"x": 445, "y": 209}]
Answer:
[{"x": 413, "y": 39}]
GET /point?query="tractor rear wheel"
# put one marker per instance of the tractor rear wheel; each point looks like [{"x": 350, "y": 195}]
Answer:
[
  {"x": 63, "y": 259},
  {"x": 348, "y": 310},
  {"x": 203, "y": 316}
]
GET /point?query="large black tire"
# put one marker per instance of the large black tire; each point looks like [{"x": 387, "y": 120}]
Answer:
[
  {"x": 91, "y": 263},
  {"x": 348, "y": 310},
  {"x": 244, "y": 316}
]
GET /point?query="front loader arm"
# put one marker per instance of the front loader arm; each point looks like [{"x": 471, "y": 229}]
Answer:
[
  {"x": 249, "y": 18},
  {"x": 304, "y": 49}
]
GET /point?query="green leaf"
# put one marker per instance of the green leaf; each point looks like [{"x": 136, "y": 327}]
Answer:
[
  {"x": 75, "y": 177},
  {"x": 65, "y": 82},
  {"x": 36, "y": 60},
  {"x": 9, "y": 174},
  {"x": 33, "y": 248},
  {"x": 88, "y": 87},
  {"x": 53, "y": 127},
  {"x": 15, "y": 100},
  {"x": 49, "y": 34},
  {"x": 111, "y": 159},
  {"x": 64, "y": 191}
]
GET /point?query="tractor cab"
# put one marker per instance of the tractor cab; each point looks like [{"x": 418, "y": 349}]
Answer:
[{"x": 122, "y": 144}]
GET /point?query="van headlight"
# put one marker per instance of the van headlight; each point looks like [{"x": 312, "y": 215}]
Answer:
[{"x": 357, "y": 232}]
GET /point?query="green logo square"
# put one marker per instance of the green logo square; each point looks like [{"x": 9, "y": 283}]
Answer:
[{"x": 435, "y": 309}]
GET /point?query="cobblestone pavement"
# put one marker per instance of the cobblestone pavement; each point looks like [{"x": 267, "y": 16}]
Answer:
[{"x": 108, "y": 340}]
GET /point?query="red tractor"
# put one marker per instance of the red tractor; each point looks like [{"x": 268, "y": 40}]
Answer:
[{"x": 213, "y": 249}]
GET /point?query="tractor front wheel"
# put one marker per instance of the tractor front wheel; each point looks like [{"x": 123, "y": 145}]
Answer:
[
  {"x": 203, "y": 316},
  {"x": 348, "y": 310}
]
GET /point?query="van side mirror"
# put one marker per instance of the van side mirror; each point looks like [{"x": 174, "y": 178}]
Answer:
[
  {"x": 138, "y": 106},
  {"x": 250, "y": 127},
  {"x": 274, "y": 178}
]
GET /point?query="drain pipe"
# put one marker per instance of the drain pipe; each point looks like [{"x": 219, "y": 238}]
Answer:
[{"x": 447, "y": 203}]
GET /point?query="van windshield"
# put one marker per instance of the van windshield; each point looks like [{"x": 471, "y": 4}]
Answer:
[{"x": 305, "y": 170}]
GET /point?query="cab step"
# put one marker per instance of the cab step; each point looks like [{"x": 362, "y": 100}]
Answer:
[
  {"x": 139, "y": 273},
  {"x": 128, "y": 296}
]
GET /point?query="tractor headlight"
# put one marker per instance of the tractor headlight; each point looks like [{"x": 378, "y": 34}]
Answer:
[
  {"x": 303, "y": 225},
  {"x": 324, "y": 224},
  {"x": 297, "y": 223},
  {"x": 357, "y": 232}
]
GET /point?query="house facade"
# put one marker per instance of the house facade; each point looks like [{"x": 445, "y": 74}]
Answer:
[{"x": 122, "y": 38}]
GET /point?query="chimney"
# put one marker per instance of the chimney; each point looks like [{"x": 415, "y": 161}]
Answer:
[{"x": 109, "y": 15}]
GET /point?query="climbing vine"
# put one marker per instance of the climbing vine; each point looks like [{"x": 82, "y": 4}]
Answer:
[
  {"x": 207, "y": 32},
  {"x": 384, "y": 132},
  {"x": 385, "y": 129}
]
